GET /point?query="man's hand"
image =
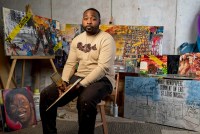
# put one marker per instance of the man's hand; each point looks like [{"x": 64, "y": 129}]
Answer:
[{"x": 62, "y": 87}]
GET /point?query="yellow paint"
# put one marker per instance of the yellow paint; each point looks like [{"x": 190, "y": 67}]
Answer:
[
  {"x": 41, "y": 21},
  {"x": 59, "y": 45},
  {"x": 155, "y": 59},
  {"x": 16, "y": 30}
]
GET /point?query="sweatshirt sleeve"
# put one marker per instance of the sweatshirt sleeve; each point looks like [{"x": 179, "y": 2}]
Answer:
[
  {"x": 105, "y": 62},
  {"x": 70, "y": 65}
]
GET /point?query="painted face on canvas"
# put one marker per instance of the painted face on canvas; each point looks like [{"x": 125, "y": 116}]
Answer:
[
  {"x": 91, "y": 22},
  {"x": 21, "y": 108}
]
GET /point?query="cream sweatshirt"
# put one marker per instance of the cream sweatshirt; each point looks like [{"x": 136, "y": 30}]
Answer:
[{"x": 95, "y": 58}]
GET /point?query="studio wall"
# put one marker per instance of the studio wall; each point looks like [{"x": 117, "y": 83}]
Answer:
[{"x": 179, "y": 17}]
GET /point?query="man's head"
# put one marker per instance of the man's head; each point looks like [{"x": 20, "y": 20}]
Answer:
[{"x": 91, "y": 21}]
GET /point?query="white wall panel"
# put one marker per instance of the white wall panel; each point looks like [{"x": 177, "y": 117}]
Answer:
[
  {"x": 150, "y": 13},
  {"x": 186, "y": 24}
]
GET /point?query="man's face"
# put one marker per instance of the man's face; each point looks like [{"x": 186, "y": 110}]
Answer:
[
  {"x": 91, "y": 22},
  {"x": 20, "y": 108}
]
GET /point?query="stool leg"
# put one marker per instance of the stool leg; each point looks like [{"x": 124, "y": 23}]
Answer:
[{"x": 103, "y": 118}]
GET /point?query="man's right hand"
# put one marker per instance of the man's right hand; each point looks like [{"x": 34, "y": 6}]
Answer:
[{"x": 62, "y": 87}]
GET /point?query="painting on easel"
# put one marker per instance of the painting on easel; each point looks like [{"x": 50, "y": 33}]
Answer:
[{"x": 30, "y": 35}]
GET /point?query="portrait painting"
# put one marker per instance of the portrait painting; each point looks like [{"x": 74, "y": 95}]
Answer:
[{"x": 19, "y": 108}]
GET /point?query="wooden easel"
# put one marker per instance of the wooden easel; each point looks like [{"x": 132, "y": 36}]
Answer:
[{"x": 15, "y": 58}]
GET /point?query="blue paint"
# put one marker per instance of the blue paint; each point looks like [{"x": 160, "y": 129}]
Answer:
[{"x": 141, "y": 86}]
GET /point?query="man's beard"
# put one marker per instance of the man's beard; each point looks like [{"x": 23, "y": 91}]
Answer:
[{"x": 91, "y": 30}]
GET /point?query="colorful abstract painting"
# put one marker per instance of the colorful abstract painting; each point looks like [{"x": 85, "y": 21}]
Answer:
[
  {"x": 151, "y": 64},
  {"x": 131, "y": 64},
  {"x": 172, "y": 102},
  {"x": 30, "y": 35},
  {"x": 136, "y": 40},
  {"x": 68, "y": 33},
  {"x": 189, "y": 65}
]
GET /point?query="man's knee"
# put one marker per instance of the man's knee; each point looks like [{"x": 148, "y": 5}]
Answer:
[{"x": 49, "y": 93}]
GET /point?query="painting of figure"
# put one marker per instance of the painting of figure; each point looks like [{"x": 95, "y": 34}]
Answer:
[{"x": 19, "y": 108}]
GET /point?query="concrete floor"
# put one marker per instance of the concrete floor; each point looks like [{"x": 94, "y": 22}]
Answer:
[
  {"x": 67, "y": 123},
  {"x": 71, "y": 115}
]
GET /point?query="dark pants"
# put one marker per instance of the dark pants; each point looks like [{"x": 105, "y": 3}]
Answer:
[{"x": 88, "y": 98}]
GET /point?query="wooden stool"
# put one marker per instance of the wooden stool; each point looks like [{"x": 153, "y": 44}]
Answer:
[
  {"x": 103, "y": 122},
  {"x": 101, "y": 107}
]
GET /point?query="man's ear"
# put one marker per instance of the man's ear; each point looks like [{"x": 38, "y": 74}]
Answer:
[{"x": 99, "y": 21}]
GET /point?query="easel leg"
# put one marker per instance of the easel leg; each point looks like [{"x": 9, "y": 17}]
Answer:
[
  {"x": 11, "y": 73},
  {"x": 23, "y": 73},
  {"x": 54, "y": 68}
]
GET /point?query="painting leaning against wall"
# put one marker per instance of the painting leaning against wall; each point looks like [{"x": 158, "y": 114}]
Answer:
[
  {"x": 68, "y": 33},
  {"x": 19, "y": 108},
  {"x": 172, "y": 102},
  {"x": 134, "y": 41}
]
